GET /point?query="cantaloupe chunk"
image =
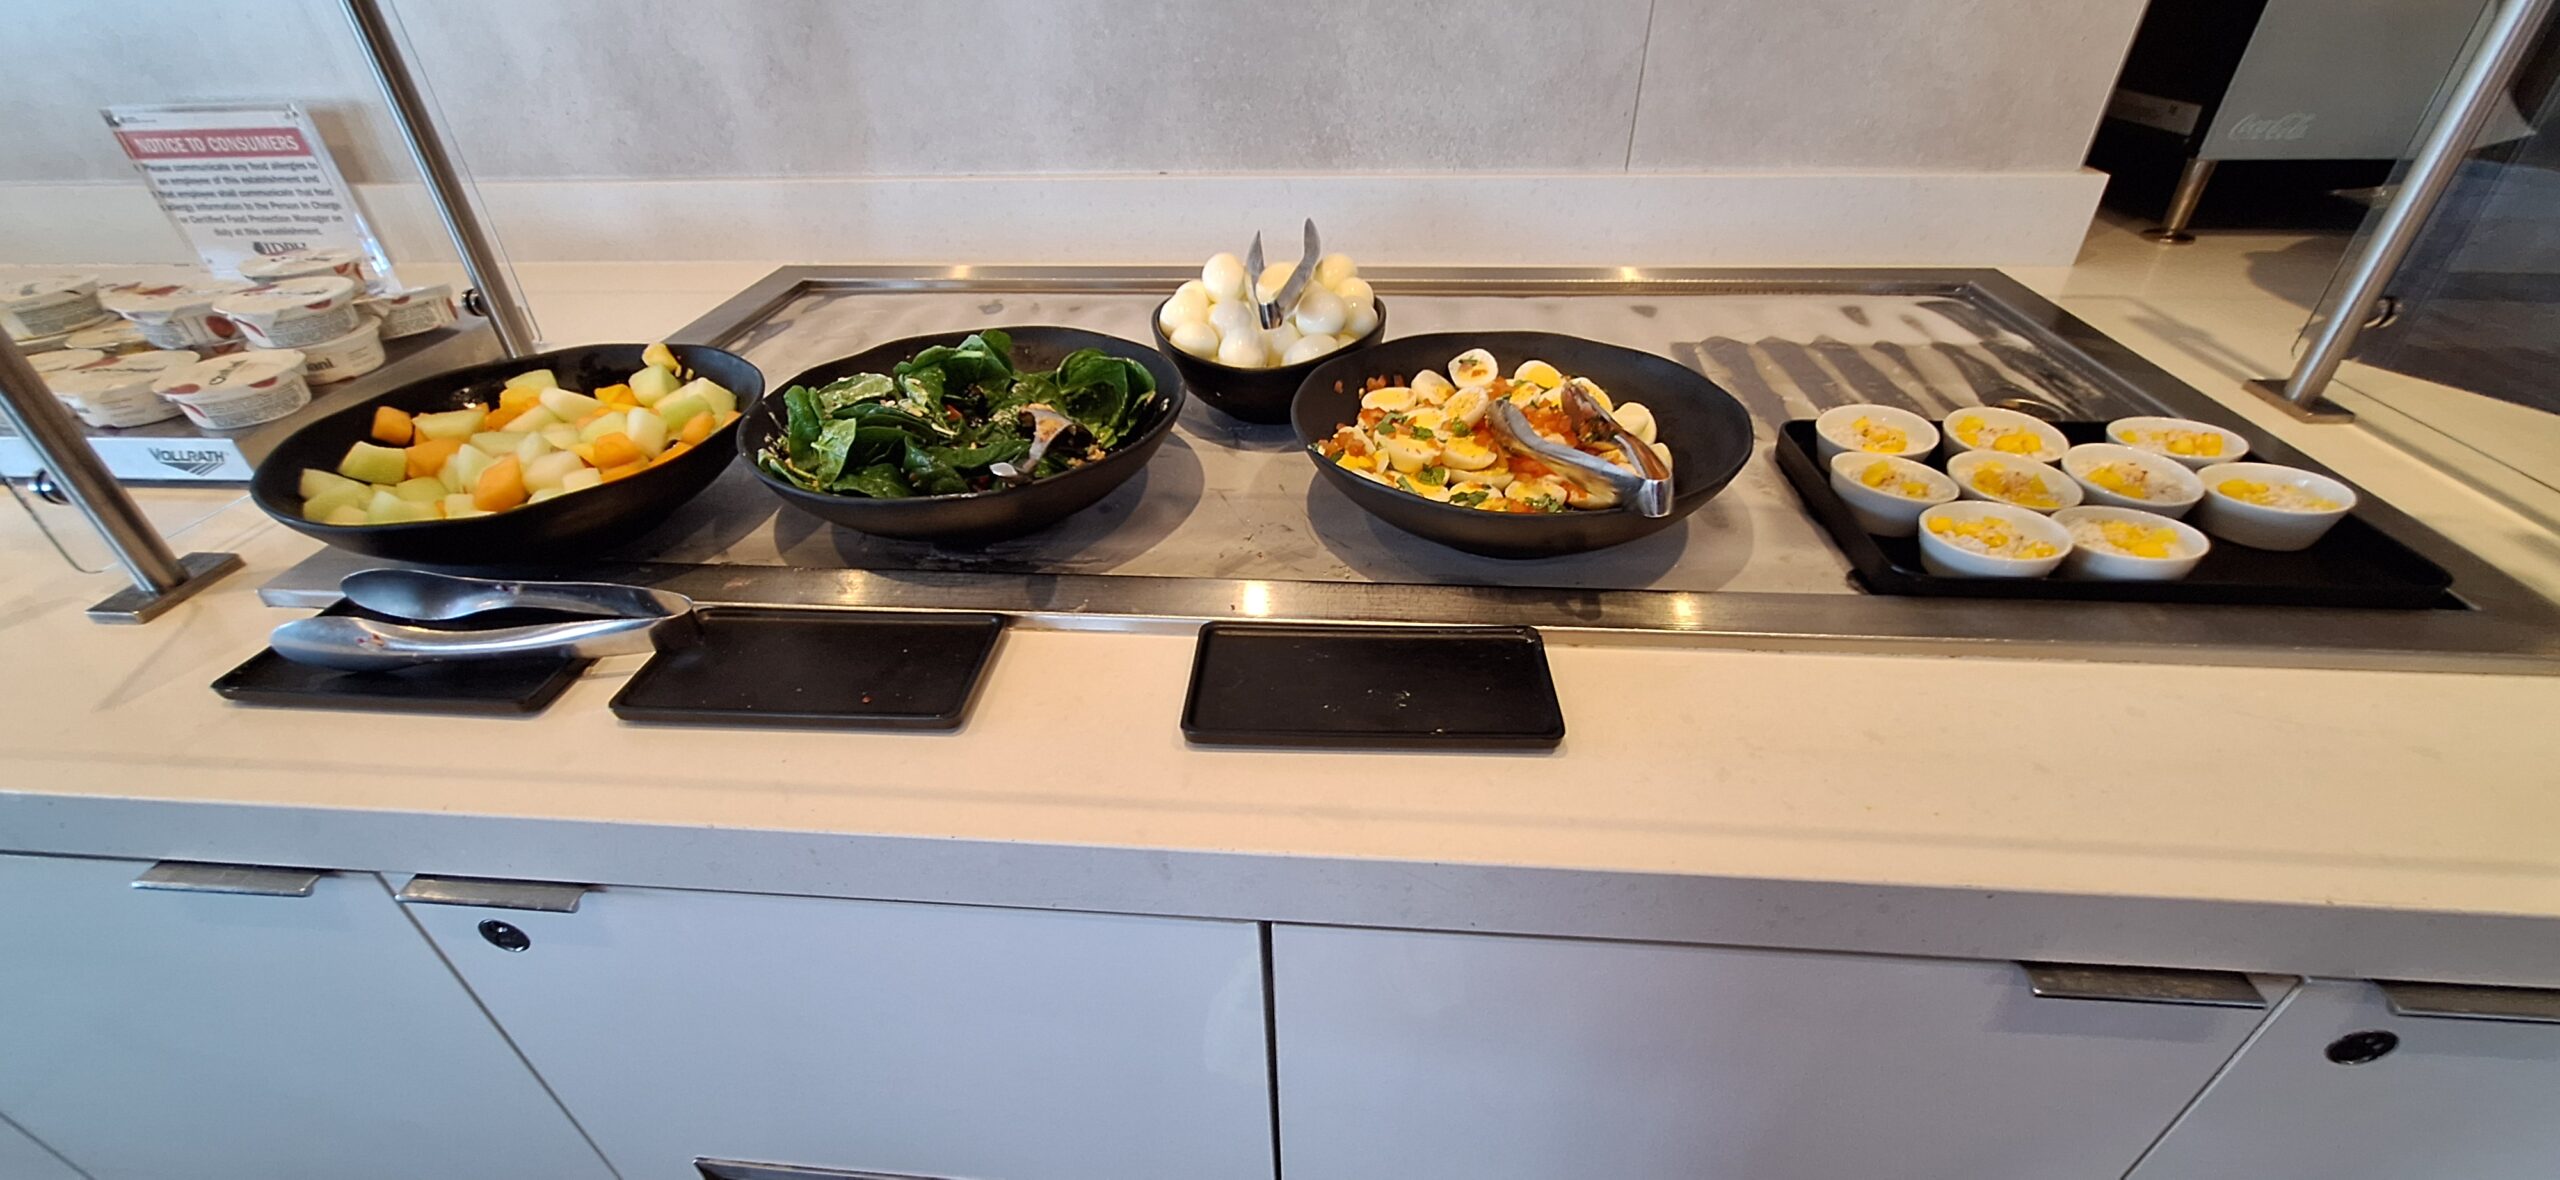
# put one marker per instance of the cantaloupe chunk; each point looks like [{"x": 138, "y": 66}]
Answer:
[
  {"x": 697, "y": 428},
  {"x": 625, "y": 471},
  {"x": 390, "y": 427},
  {"x": 616, "y": 395},
  {"x": 673, "y": 450},
  {"x": 616, "y": 449},
  {"x": 519, "y": 399},
  {"x": 428, "y": 458},
  {"x": 498, "y": 418},
  {"x": 501, "y": 487}
]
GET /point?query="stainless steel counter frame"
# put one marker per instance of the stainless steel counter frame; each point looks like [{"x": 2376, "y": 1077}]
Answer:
[{"x": 2508, "y": 628}]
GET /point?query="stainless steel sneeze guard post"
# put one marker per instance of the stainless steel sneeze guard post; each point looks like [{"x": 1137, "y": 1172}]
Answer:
[{"x": 1228, "y": 522}]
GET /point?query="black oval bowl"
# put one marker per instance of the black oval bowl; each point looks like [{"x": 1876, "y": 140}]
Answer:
[
  {"x": 569, "y": 527},
  {"x": 1254, "y": 395},
  {"x": 973, "y": 518},
  {"x": 1709, "y": 434}
]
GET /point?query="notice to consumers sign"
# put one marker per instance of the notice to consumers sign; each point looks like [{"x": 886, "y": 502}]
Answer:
[{"x": 245, "y": 179}]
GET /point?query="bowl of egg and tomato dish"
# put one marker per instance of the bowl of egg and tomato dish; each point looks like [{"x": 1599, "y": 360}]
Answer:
[{"x": 1211, "y": 332}]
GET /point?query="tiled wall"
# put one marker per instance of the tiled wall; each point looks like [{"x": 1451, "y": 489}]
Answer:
[{"x": 547, "y": 89}]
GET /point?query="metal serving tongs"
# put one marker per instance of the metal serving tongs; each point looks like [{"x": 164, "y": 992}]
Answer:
[
  {"x": 1646, "y": 490},
  {"x": 627, "y": 620},
  {"x": 1275, "y": 314}
]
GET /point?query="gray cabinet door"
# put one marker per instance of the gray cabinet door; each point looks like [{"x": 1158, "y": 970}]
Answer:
[
  {"x": 22, "y": 1158},
  {"x": 148, "y": 1035},
  {"x": 885, "y": 1037},
  {"x": 2474, "y": 1099},
  {"x": 1405, "y": 1054}
]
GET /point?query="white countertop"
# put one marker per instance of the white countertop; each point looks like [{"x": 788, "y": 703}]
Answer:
[{"x": 2387, "y": 824}]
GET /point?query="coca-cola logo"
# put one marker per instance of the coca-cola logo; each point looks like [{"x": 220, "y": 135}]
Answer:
[{"x": 2268, "y": 128}]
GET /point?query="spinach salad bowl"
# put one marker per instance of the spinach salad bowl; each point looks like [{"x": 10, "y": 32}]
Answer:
[{"x": 909, "y": 456}]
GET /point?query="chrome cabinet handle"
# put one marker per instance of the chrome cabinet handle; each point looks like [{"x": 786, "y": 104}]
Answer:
[
  {"x": 2142, "y": 985},
  {"x": 186, "y": 876},
  {"x": 2463, "y": 1001},
  {"x": 712, "y": 1169},
  {"x": 490, "y": 894}
]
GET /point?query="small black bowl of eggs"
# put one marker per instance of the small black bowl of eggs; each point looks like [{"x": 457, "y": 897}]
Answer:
[{"x": 1214, "y": 336}]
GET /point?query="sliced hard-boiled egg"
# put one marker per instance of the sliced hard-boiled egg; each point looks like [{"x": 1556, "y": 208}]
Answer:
[
  {"x": 1196, "y": 338},
  {"x": 1468, "y": 406},
  {"x": 1497, "y": 476},
  {"x": 1663, "y": 450},
  {"x": 1320, "y": 312},
  {"x": 1409, "y": 454},
  {"x": 1223, "y": 277},
  {"x": 1586, "y": 385},
  {"x": 1473, "y": 368},
  {"x": 1309, "y": 348},
  {"x": 1423, "y": 488},
  {"x": 1334, "y": 268},
  {"x": 1467, "y": 454},
  {"x": 1431, "y": 387},
  {"x": 1529, "y": 491},
  {"x": 1636, "y": 418},
  {"x": 1489, "y": 495},
  {"x": 1242, "y": 350},
  {"x": 1427, "y": 418},
  {"x": 1393, "y": 399},
  {"x": 1538, "y": 373}
]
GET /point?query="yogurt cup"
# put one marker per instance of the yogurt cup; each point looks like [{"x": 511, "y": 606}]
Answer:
[
  {"x": 114, "y": 336},
  {"x": 242, "y": 389},
  {"x": 61, "y": 359},
  {"x": 117, "y": 393},
  {"x": 294, "y": 312},
  {"x": 350, "y": 356},
  {"x": 295, "y": 264},
  {"x": 176, "y": 315},
  {"x": 411, "y": 312},
  {"x": 51, "y": 305}
]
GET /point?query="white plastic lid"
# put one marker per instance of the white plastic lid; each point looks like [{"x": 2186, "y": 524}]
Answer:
[
  {"x": 48, "y": 289},
  {"x": 289, "y": 299},
  {"x": 111, "y": 336},
  {"x": 140, "y": 370},
  {"x": 298, "y": 262},
  {"x": 164, "y": 300},
  {"x": 259, "y": 367},
  {"x": 49, "y": 363},
  {"x": 413, "y": 295}
]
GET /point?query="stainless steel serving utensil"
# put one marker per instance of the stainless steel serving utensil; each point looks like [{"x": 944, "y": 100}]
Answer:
[
  {"x": 1276, "y": 313},
  {"x": 1646, "y": 491},
  {"x": 369, "y": 645},
  {"x": 432, "y": 597},
  {"x": 1046, "y": 425}
]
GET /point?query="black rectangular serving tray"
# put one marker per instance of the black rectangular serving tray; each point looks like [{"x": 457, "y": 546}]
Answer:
[
  {"x": 485, "y": 688},
  {"x": 1327, "y": 686},
  {"x": 817, "y": 669},
  {"x": 2355, "y": 565}
]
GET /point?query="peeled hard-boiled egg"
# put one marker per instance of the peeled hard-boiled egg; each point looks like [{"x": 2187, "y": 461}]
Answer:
[
  {"x": 1538, "y": 373},
  {"x": 1431, "y": 387},
  {"x": 1409, "y": 454},
  {"x": 1223, "y": 276},
  {"x": 1472, "y": 368},
  {"x": 1190, "y": 303},
  {"x": 1468, "y": 406},
  {"x": 1196, "y": 338},
  {"x": 1636, "y": 418},
  {"x": 1466, "y": 454},
  {"x": 1355, "y": 292},
  {"x": 1334, "y": 268},
  {"x": 1274, "y": 277},
  {"x": 1309, "y": 348},
  {"x": 1241, "y": 350},
  {"x": 1320, "y": 312},
  {"x": 1359, "y": 320},
  {"x": 1235, "y": 317},
  {"x": 1392, "y": 399},
  {"x": 1277, "y": 341}
]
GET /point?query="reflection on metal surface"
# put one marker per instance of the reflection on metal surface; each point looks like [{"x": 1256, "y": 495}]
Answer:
[
  {"x": 2456, "y": 1001},
  {"x": 548, "y": 897},
  {"x": 1228, "y": 521},
  {"x": 182, "y": 876},
  {"x": 2142, "y": 985},
  {"x": 712, "y": 1169}
]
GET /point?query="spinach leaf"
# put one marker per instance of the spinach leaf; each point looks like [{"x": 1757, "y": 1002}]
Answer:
[
  {"x": 880, "y": 481},
  {"x": 1102, "y": 392},
  {"x": 800, "y": 424},
  {"x": 847, "y": 391},
  {"x": 928, "y": 473}
]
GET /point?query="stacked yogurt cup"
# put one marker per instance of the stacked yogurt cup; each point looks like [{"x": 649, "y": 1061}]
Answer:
[
  {"x": 314, "y": 315},
  {"x": 41, "y": 313},
  {"x": 115, "y": 392}
]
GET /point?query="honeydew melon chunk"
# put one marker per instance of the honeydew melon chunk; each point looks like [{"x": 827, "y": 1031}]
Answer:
[
  {"x": 534, "y": 379},
  {"x": 534, "y": 447},
  {"x": 317, "y": 483},
  {"x": 660, "y": 356},
  {"x": 420, "y": 490},
  {"x": 549, "y": 471},
  {"x": 351, "y": 495},
  {"x": 609, "y": 424},
  {"x": 388, "y": 508},
  {"x": 367, "y": 463},
  {"x": 533, "y": 420},
  {"x": 648, "y": 431},
  {"x": 462, "y": 472},
  {"x": 651, "y": 384},
  {"x": 544, "y": 494},
  {"x": 681, "y": 407},
  {"x": 568, "y": 406},
  {"x": 499, "y": 443},
  {"x": 561, "y": 435},
  {"x": 450, "y": 424},
  {"x": 718, "y": 398},
  {"x": 458, "y": 506},
  {"x": 347, "y": 514},
  {"x": 581, "y": 479}
]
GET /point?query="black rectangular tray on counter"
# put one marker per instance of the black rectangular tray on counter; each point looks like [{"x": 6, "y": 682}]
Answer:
[
  {"x": 2355, "y": 565},
  {"x": 485, "y": 688},
  {"x": 817, "y": 669},
  {"x": 1369, "y": 686}
]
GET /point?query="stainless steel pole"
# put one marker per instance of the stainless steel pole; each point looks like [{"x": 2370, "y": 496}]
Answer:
[
  {"x": 498, "y": 297},
  {"x": 2431, "y": 170},
  {"x": 160, "y": 577}
]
